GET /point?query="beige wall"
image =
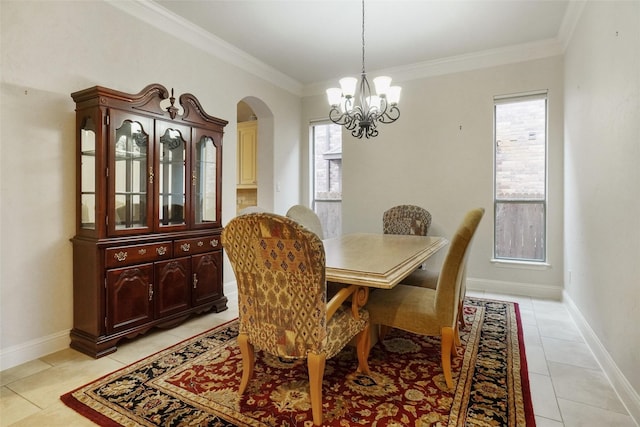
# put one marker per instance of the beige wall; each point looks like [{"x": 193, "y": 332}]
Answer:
[
  {"x": 50, "y": 49},
  {"x": 439, "y": 155},
  {"x": 602, "y": 176}
]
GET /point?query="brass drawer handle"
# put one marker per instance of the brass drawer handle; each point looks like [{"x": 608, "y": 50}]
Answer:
[
  {"x": 161, "y": 250},
  {"x": 120, "y": 256},
  {"x": 185, "y": 247},
  {"x": 214, "y": 242}
]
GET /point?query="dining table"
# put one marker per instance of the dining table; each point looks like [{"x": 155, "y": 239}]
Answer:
[{"x": 375, "y": 260}]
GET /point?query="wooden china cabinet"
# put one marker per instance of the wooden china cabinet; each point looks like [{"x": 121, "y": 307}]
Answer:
[{"x": 147, "y": 250}]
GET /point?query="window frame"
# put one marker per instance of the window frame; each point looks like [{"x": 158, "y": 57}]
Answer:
[{"x": 544, "y": 202}]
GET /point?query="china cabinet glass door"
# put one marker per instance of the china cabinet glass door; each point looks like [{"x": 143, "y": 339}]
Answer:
[
  {"x": 206, "y": 188},
  {"x": 88, "y": 175},
  {"x": 130, "y": 173},
  {"x": 172, "y": 177}
]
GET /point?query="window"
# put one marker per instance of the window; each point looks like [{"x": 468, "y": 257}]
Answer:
[
  {"x": 326, "y": 148},
  {"x": 520, "y": 196}
]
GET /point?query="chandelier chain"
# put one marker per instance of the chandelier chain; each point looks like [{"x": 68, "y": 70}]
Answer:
[{"x": 363, "y": 71}]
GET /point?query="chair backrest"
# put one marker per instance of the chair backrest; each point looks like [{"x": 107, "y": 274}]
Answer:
[
  {"x": 406, "y": 219},
  {"x": 251, "y": 209},
  {"x": 454, "y": 266},
  {"x": 307, "y": 218},
  {"x": 280, "y": 271}
]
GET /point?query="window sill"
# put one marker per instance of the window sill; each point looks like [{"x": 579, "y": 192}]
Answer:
[{"x": 529, "y": 265}]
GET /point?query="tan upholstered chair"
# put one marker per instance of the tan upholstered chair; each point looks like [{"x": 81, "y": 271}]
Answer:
[
  {"x": 307, "y": 218},
  {"x": 280, "y": 270},
  {"x": 406, "y": 219},
  {"x": 427, "y": 311}
]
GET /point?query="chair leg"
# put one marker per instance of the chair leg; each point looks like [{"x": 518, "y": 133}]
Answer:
[
  {"x": 383, "y": 330},
  {"x": 248, "y": 360},
  {"x": 446, "y": 351},
  {"x": 315, "y": 364},
  {"x": 461, "y": 314},
  {"x": 363, "y": 347}
]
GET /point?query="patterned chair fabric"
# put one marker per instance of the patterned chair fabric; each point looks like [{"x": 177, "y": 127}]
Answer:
[
  {"x": 406, "y": 219},
  {"x": 280, "y": 271}
]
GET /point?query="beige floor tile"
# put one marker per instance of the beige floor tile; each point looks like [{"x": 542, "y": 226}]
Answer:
[
  {"x": 579, "y": 415},
  {"x": 569, "y": 352},
  {"x": 587, "y": 386},
  {"x": 65, "y": 356},
  {"x": 536, "y": 361},
  {"x": 528, "y": 317},
  {"x": 14, "y": 407},
  {"x": 543, "y": 397},
  {"x": 45, "y": 388},
  {"x": 561, "y": 329},
  {"x": 546, "y": 422},
  {"x": 531, "y": 335},
  {"x": 56, "y": 415},
  {"x": 22, "y": 371}
]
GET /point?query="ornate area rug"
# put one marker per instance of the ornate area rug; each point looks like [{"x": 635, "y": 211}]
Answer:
[{"x": 195, "y": 382}]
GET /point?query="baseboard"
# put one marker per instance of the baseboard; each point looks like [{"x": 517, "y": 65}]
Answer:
[
  {"x": 34, "y": 349},
  {"x": 516, "y": 288},
  {"x": 629, "y": 397}
]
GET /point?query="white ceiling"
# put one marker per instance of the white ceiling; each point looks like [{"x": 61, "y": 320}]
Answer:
[{"x": 314, "y": 41}]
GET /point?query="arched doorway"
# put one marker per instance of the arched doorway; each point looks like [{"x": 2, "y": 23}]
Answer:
[{"x": 254, "y": 187}]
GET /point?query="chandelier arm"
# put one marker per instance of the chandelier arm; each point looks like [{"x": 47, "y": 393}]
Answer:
[{"x": 390, "y": 116}]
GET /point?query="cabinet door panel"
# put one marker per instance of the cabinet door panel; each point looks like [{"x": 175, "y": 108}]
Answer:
[
  {"x": 172, "y": 291},
  {"x": 247, "y": 154},
  {"x": 172, "y": 181},
  {"x": 130, "y": 173},
  {"x": 206, "y": 178},
  {"x": 207, "y": 277},
  {"x": 129, "y": 297}
]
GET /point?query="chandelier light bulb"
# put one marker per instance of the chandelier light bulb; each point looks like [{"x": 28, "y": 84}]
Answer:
[
  {"x": 393, "y": 96},
  {"x": 382, "y": 85},
  {"x": 334, "y": 95}
]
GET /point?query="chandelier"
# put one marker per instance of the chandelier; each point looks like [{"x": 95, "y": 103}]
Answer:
[{"x": 362, "y": 114}]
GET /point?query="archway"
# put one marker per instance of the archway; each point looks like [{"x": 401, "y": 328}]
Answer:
[{"x": 254, "y": 109}]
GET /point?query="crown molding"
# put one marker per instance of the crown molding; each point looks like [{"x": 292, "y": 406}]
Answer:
[
  {"x": 165, "y": 20},
  {"x": 570, "y": 21},
  {"x": 460, "y": 63}
]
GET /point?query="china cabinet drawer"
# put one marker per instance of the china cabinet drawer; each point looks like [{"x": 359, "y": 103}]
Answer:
[
  {"x": 197, "y": 245},
  {"x": 128, "y": 255}
]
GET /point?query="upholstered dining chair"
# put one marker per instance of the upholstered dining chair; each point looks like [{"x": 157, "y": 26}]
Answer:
[
  {"x": 406, "y": 219},
  {"x": 413, "y": 220},
  {"x": 307, "y": 218},
  {"x": 252, "y": 209},
  {"x": 426, "y": 311},
  {"x": 279, "y": 267}
]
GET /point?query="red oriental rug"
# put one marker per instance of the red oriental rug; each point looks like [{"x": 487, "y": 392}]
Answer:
[{"x": 195, "y": 382}]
